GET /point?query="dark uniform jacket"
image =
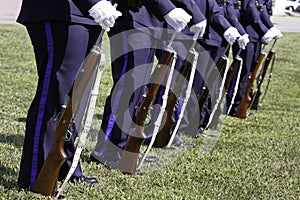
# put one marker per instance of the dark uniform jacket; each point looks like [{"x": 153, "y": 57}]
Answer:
[
  {"x": 216, "y": 22},
  {"x": 251, "y": 20},
  {"x": 62, "y": 10},
  {"x": 150, "y": 13},
  {"x": 232, "y": 14},
  {"x": 264, "y": 15}
]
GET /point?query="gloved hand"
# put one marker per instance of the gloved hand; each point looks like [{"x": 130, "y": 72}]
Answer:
[
  {"x": 268, "y": 36},
  {"x": 243, "y": 41},
  {"x": 105, "y": 14},
  {"x": 231, "y": 34},
  {"x": 199, "y": 27},
  {"x": 177, "y": 18},
  {"x": 276, "y": 32}
]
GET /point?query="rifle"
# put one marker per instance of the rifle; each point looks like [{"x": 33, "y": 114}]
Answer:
[
  {"x": 187, "y": 95},
  {"x": 241, "y": 112},
  {"x": 231, "y": 71},
  {"x": 227, "y": 78},
  {"x": 169, "y": 102},
  {"x": 221, "y": 64},
  {"x": 163, "y": 136},
  {"x": 89, "y": 113},
  {"x": 269, "y": 79},
  {"x": 257, "y": 93},
  {"x": 129, "y": 158},
  {"x": 238, "y": 62},
  {"x": 47, "y": 178}
]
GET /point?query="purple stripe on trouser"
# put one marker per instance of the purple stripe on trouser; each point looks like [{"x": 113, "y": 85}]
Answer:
[
  {"x": 116, "y": 100},
  {"x": 41, "y": 109}
]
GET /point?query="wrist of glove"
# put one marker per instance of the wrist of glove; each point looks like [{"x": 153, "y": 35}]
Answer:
[
  {"x": 231, "y": 34},
  {"x": 276, "y": 32},
  {"x": 199, "y": 27},
  {"x": 105, "y": 14},
  {"x": 268, "y": 36},
  {"x": 177, "y": 19},
  {"x": 243, "y": 41}
]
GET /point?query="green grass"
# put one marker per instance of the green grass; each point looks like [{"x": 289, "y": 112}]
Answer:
[{"x": 257, "y": 158}]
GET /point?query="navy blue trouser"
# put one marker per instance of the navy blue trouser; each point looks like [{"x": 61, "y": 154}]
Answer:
[
  {"x": 190, "y": 121},
  {"x": 60, "y": 48},
  {"x": 249, "y": 56},
  {"x": 132, "y": 56}
]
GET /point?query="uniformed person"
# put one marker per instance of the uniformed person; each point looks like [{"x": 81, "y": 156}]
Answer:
[
  {"x": 209, "y": 41},
  {"x": 218, "y": 29},
  {"x": 62, "y": 33},
  {"x": 260, "y": 30},
  {"x": 134, "y": 40},
  {"x": 229, "y": 11}
]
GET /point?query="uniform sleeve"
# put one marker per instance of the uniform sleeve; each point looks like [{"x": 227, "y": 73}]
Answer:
[
  {"x": 85, "y": 5},
  {"x": 159, "y": 7},
  {"x": 252, "y": 16},
  {"x": 192, "y": 8},
  {"x": 265, "y": 17},
  {"x": 218, "y": 20},
  {"x": 231, "y": 16}
]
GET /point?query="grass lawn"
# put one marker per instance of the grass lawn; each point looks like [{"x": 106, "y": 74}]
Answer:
[{"x": 257, "y": 158}]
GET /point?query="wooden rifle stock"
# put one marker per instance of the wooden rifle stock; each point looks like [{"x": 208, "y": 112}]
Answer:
[
  {"x": 232, "y": 69},
  {"x": 48, "y": 175},
  {"x": 242, "y": 110},
  {"x": 211, "y": 81},
  {"x": 257, "y": 93},
  {"x": 163, "y": 136},
  {"x": 129, "y": 158},
  {"x": 228, "y": 76}
]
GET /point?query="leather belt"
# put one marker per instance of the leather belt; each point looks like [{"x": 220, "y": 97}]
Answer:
[
  {"x": 222, "y": 3},
  {"x": 259, "y": 6},
  {"x": 237, "y": 5}
]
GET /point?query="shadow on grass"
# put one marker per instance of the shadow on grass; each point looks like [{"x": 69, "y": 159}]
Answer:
[
  {"x": 99, "y": 116},
  {"x": 15, "y": 140},
  {"x": 7, "y": 184},
  {"x": 22, "y": 119}
]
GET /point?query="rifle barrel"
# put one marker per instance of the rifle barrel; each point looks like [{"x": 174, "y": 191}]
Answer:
[
  {"x": 129, "y": 158},
  {"x": 242, "y": 109},
  {"x": 48, "y": 175}
]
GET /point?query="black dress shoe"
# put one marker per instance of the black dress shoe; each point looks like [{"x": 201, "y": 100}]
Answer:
[
  {"x": 23, "y": 186},
  {"x": 61, "y": 197},
  {"x": 249, "y": 114},
  {"x": 179, "y": 143},
  {"x": 93, "y": 159},
  {"x": 90, "y": 180},
  {"x": 149, "y": 159},
  {"x": 108, "y": 165}
]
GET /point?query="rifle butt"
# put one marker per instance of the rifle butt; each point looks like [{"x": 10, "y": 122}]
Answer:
[
  {"x": 129, "y": 159},
  {"x": 243, "y": 107},
  {"x": 47, "y": 178},
  {"x": 255, "y": 100}
]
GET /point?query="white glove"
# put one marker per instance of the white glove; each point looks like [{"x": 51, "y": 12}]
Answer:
[
  {"x": 243, "y": 41},
  {"x": 276, "y": 32},
  {"x": 177, "y": 18},
  {"x": 269, "y": 35},
  {"x": 199, "y": 27},
  {"x": 231, "y": 34},
  {"x": 105, "y": 14}
]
